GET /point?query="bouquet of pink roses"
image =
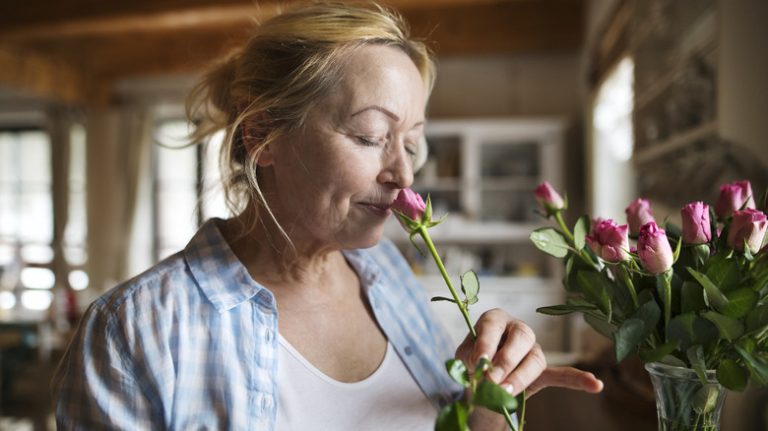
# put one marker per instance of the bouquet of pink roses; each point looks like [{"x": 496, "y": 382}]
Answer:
[{"x": 694, "y": 298}]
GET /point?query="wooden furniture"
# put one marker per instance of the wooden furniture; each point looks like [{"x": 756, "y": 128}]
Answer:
[{"x": 697, "y": 87}]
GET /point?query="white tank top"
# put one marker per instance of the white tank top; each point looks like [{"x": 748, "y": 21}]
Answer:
[{"x": 389, "y": 399}]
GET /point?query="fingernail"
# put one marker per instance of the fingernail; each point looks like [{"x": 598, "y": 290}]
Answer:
[
  {"x": 508, "y": 388},
  {"x": 481, "y": 358},
  {"x": 496, "y": 374}
]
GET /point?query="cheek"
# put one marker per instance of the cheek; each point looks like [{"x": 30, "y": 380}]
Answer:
[{"x": 353, "y": 165}]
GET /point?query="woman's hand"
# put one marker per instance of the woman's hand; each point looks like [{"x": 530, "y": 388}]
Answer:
[{"x": 518, "y": 361}]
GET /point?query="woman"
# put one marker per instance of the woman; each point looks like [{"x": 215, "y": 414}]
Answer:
[{"x": 295, "y": 314}]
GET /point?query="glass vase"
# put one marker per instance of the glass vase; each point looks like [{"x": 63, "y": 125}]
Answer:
[{"x": 683, "y": 401}]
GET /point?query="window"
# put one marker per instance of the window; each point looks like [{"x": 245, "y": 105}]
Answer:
[
  {"x": 187, "y": 186},
  {"x": 27, "y": 274},
  {"x": 75, "y": 232},
  {"x": 613, "y": 175},
  {"x": 26, "y": 219}
]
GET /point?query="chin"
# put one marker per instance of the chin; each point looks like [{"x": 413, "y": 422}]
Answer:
[{"x": 366, "y": 240}]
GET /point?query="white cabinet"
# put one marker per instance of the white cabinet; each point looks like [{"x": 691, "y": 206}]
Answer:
[{"x": 482, "y": 173}]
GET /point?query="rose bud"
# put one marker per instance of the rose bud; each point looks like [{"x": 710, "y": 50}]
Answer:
[
  {"x": 696, "y": 227},
  {"x": 654, "y": 249},
  {"x": 638, "y": 214},
  {"x": 594, "y": 222},
  {"x": 747, "y": 226},
  {"x": 609, "y": 241},
  {"x": 732, "y": 197},
  {"x": 409, "y": 203},
  {"x": 548, "y": 198}
]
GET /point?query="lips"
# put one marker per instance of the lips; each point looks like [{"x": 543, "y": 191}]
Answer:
[{"x": 379, "y": 208}]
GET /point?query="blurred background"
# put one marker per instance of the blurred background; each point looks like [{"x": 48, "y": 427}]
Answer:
[{"x": 606, "y": 99}]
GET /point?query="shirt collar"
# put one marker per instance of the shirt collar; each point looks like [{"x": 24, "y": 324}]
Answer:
[
  {"x": 365, "y": 267},
  {"x": 225, "y": 281},
  {"x": 218, "y": 272}
]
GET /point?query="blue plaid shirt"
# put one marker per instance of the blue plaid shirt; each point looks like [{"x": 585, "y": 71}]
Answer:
[{"x": 192, "y": 343}]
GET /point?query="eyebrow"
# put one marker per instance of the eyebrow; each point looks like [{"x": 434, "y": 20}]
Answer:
[{"x": 384, "y": 111}]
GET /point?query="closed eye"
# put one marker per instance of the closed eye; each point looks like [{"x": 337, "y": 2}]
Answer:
[
  {"x": 371, "y": 142},
  {"x": 368, "y": 142}
]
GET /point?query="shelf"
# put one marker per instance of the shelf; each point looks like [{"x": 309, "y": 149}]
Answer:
[
  {"x": 676, "y": 142},
  {"x": 438, "y": 184},
  {"x": 463, "y": 232},
  {"x": 650, "y": 94},
  {"x": 510, "y": 183},
  {"x": 646, "y": 32}
]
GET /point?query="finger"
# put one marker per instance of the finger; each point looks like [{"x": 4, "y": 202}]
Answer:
[
  {"x": 464, "y": 351},
  {"x": 566, "y": 377},
  {"x": 490, "y": 328},
  {"x": 527, "y": 372},
  {"x": 519, "y": 340}
]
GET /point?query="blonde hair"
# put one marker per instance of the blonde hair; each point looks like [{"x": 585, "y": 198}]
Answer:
[{"x": 266, "y": 89}]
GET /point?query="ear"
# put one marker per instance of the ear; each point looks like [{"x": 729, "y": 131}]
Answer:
[
  {"x": 253, "y": 139},
  {"x": 266, "y": 158}
]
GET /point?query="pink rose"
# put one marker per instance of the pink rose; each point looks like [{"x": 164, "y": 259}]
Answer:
[
  {"x": 696, "y": 227},
  {"x": 609, "y": 241},
  {"x": 654, "y": 249},
  {"x": 749, "y": 225},
  {"x": 595, "y": 221},
  {"x": 548, "y": 198},
  {"x": 638, "y": 214},
  {"x": 409, "y": 203},
  {"x": 732, "y": 197}
]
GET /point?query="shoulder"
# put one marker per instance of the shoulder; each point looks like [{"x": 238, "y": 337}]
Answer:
[{"x": 169, "y": 283}]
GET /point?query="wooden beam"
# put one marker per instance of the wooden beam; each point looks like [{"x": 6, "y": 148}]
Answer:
[
  {"x": 137, "y": 54},
  {"x": 42, "y": 19},
  {"x": 60, "y": 67},
  {"x": 137, "y": 22},
  {"x": 512, "y": 27},
  {"x": 504, "y": 27},
  {"x": 41, "y": 75}
]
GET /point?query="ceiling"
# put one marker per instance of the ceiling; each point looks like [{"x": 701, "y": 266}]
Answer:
[{"x": 77, "y": 50}]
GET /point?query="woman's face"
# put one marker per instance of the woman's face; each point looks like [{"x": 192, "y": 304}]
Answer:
[{"x": 333, "y": 182}]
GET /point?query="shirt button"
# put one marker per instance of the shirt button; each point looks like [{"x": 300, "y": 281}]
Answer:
[{"x": 408, "y": 350}]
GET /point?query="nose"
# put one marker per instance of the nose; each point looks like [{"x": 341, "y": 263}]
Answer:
[{"x": 397, "y": 167}]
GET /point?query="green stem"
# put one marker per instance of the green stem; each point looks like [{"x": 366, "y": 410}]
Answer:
[
  {"x": 630, "y": 286},
  {"x": 561, "y": 222},
  {"x": 588, "y": 260},
  {"x": 433, "y": 251},
  {"x": 572, "y": 242},
  {"x": 667, "y": 302},
  {"x": 459, "y": 303}
]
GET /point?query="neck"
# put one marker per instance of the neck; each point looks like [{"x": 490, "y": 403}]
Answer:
[{"x": 273, "y": 259}]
